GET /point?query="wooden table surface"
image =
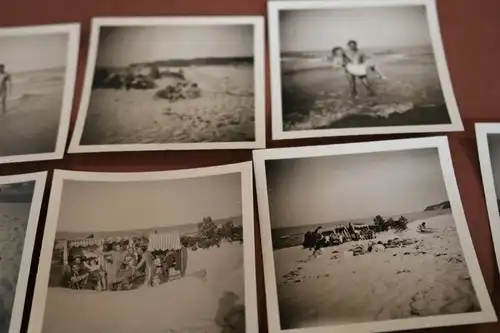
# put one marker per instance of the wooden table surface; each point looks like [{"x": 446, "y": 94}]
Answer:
[{"x": 471, "y": 36}]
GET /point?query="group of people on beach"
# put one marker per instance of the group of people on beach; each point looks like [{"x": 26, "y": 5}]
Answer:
[
  {"x": 118, "y": 269},
  {"x": 356, "y": 65},
  {"x": 317, "y": 239}
]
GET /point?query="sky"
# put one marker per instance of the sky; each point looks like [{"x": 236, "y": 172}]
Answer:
[
  {"x": 33, "y": 52},
  {"x": 125, "y": 45},
  {"x": 344, "y": 187},
  {"x": 494, "y": 145},
  {"x": 122, "y": 206},
  {"x": 320, "y": 29}
]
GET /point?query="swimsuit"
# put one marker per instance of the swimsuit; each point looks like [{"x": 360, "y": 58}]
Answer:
[{"x": 356, "y": 69}]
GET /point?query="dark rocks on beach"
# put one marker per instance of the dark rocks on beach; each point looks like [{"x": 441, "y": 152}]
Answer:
[
  {"x": 180, "y": 90},
  {"x": 103, "y": 79},
  {"x": 455, "y": 260},
  {"x": 291, "y": 275},
  {"x": 396, "y": 242},
  {"x": 134, "y": 77},
  {"x": 140, "y": 82}
]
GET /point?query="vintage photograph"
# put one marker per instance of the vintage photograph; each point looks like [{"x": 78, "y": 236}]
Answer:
[
  {"x": 158, "y": 252},
  {"x": 352, "y": 68},
  {"x": 488, "y": 142},
  {"x": 366, "y": 239},
  {"x": 173, "y": 83},
  {"x": 37, "y": 74},
  {"x": 20, "y": 201}
]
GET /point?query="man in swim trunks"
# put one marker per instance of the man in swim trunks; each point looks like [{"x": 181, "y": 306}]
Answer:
[
  {"x": 356, "y": 57},
  {"x": 5, "y": 87},
  {"x": 147, "y": 261}
]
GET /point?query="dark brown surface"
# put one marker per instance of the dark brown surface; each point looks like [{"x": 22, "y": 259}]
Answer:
[{"x": 471, "y": 34}]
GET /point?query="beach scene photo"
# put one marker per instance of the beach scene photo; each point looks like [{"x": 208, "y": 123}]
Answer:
[
  {"x": 161, "y": 256},
  {"x": 367, "y": 239},
  {"x": 32, "y": 79},
  {"x": 15, "y": 206},
  {"x": 488, "y": 144},
  {"x": 172, "y": 84},
  {"x": 360, "y": 67},
  {"x": 494, "y": 150}
]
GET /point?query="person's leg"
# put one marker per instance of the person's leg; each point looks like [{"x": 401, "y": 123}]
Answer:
[
  {"x": 103, "y": 280},
  {"x": 3, "y": 98},
  {"x": 149, "y": 276},
  {"x": 364, "y": 81},
  {"x": 377, "y": 72},
  {"x": 352, "y": 85}
]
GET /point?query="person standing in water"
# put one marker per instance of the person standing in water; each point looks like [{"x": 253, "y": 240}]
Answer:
[
  {"x": 356, "y": 66},
  {"x": 5, "y": 88}
]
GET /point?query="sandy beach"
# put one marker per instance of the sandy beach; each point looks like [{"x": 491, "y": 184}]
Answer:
[
  {"x": 188, "y": 305},
  {"x": 315, "y": 96},
  {"x": 223, "y": 113},
  {"x": 426, "y": 276},
  {"x": 31, "y": 123},
  {"x": 13, "y": 222}
]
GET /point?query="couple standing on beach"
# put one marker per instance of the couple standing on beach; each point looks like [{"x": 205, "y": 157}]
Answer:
[{"x": 356, "y": 66}]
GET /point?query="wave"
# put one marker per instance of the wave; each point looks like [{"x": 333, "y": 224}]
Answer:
[
  {"x": 26, "y": 96},
  {"x": 297, "y": 63}
]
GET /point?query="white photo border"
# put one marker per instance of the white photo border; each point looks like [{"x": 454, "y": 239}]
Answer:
[
  {"x": 483, "y": 130},
  {"x": 245, "y": 169},
  {"x": 487, "y": 313},
  {"x": 274, "y": 7},
  {"x": 72, "y": 51},
  {"x": 29, "y": 242},
  {"x": 257, "y": 22}
]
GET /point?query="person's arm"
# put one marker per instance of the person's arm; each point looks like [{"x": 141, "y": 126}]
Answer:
[
  {"x": 141, "y": 263},
  {"x": 338, "y": 63}
]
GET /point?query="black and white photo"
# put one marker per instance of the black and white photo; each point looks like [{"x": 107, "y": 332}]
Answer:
[
  {"x": 20, "y": 201},
  {"x": 37, "y": 77},
  {"x": 367, "y": 237},
  {"x": 358, "y": 67},
  {"x": 488, "y": 144},
  {"x": 148, "y": 252},
  {"x": 173, "y": 83}
]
